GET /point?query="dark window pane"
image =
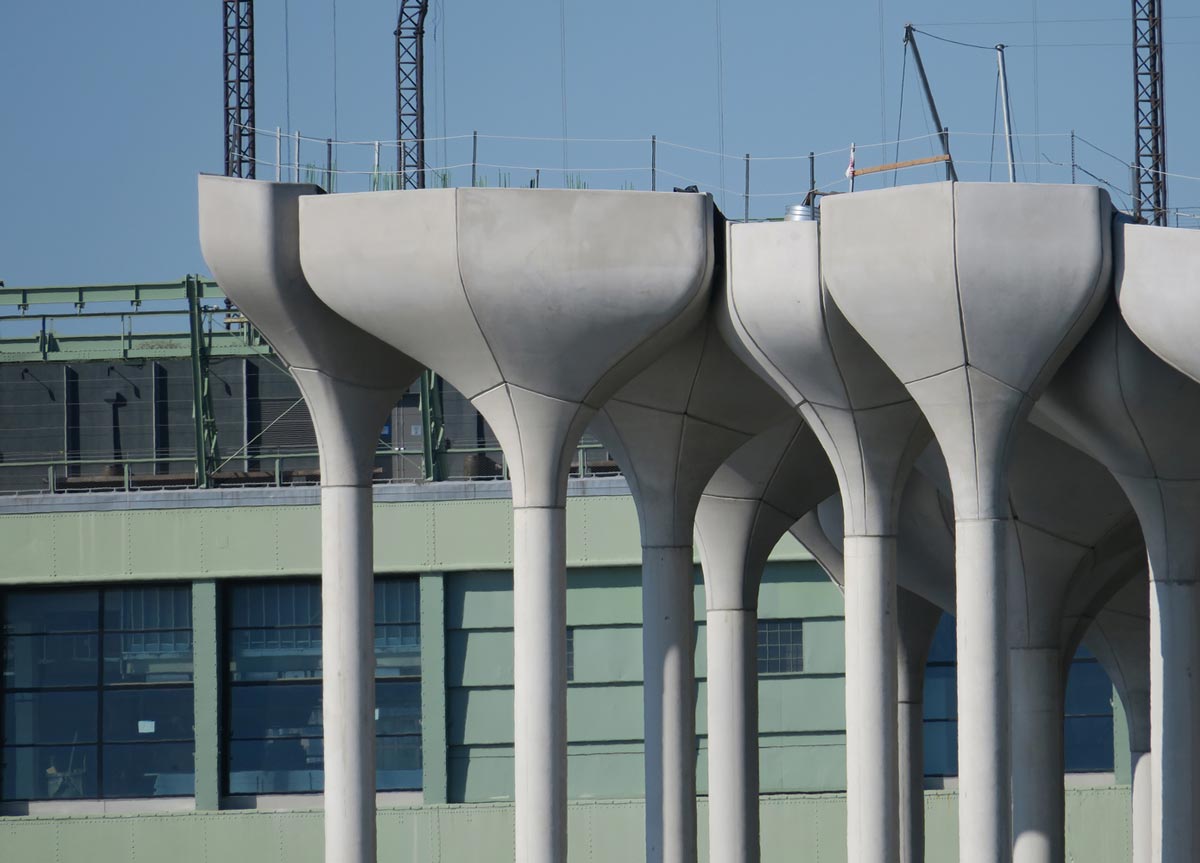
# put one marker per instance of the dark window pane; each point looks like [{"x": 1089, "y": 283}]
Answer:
[
  {"x": 34, "y": 661},
  {"x": 941, "y": 748},
  {"x": 944, "y": 648},
  {"x": 136, "y": 715},
  {"x": 290, "y": 603},
  {"x": 1089, "y": 690},
  {"x": 397, "y": 601},
  {"x": 148, "y": 657},
  {"x": 141, "y": 608},
  {"x": 941, "y": 696},
  {"x": 398, "y": 763},
  {"x": 276, "y": 766},
  {"x": 149, "y": 770},
  {"x": 262, "y": 711},
  {"x": 1088, "y": 744},
  {"x": 397, "y": 708},
  {"x": 48, "y": 772},
  {"x": 52, "y": 611},
  {"x": 275, "y": 654},
  {"x": 50, "y": 717}
]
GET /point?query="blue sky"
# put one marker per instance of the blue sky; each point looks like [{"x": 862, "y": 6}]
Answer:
[{"x": 109, "y": 110}]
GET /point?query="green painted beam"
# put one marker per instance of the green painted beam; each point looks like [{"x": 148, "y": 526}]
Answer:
[
  {"x": 256, "y": 541},
  {"x": 808, "y": 827},
  {"x": 433, "y": 688},
  {"x": 83, "y": 294},
  {"x": 206, "y": 687}
]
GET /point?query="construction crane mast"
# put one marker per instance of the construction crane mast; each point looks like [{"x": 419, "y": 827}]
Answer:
[
  {"x": 1150, "y": 136},
  {"x": 239, "y": 88},
  {"x": 410, "y": 92}
]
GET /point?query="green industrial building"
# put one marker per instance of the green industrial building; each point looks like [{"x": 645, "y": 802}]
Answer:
[{"x": 160, "y": 616}]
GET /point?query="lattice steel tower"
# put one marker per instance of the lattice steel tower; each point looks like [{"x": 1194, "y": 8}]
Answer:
[
  {"x": 239, "y": 88},
  {"x": 410, "y": 92},
  {"x": 1150, "y": 136}
]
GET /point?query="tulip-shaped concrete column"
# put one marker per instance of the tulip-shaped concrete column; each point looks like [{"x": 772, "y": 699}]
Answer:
[
  {"x": 750, "y": 503},
  {"x": 670, "y": 428},
  {"x": 537, "y": 305},
  {"x": 250, "y": 236},
  {"x": 1136, "y": 414},
  {"x": 1119, "y": 636},
  {"x": 973, "y": 294},
  {"x": 1074, "y": 534},
  {"x": 1158, "y": 288},
  {"x": 925, "y": 575},
  {"x": 776, "y": 315}
]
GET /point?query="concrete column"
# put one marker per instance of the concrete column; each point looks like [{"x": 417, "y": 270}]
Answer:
[
  {"x": 1175, "y": 717},
  {"x": 670, "y": 428},
  {"x": 983, "y": 693},
  {"x": 1039, "y": 825},
  {"x": 1142, "y": 815},
  {"x": 539, "y": 328},
  {"x": 777, "y": 314},
  {"x": 973, "y": 305},
  {"x": 755, "y": 497},
  {"x": 540, "y": 681},
  {"x": 918, "y": 619},
  {"x": 733, "y": 835},
  {"x": 872, "y": 778},
  {"x": 348, "y": 673},
  {"x": 668, "y": 612},
  {"x": 250, "y": 235}
]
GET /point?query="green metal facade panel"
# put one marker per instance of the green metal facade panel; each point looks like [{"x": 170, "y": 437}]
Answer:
[
  {"x": 801, "y": 716},
  {"x": 433, "y": 689},
  {"x": 794, "y": 827}
]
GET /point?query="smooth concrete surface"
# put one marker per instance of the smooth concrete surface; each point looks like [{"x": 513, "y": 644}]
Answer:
[
  {"x": 669, "y": 429},
  {"x": 776, "y": 315},
  {"x": 750, "y": 502},
  {"x": 1157, "y": 276},
  {"x": 538, "y": 305},
  {"x": 973, "y": 294},
  {"x": 1119, "y": 637},
  {"x": 250, "y": 237},
  {"x": 1134, "y": 413},
  {"x": 917, "y": 620}
]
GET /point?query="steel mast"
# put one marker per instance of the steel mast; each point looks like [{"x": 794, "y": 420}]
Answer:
[
  {"x": 1150, "y": 135},
  {"x": 410, "y": 92},
  {"x": 239, "y": 88}
]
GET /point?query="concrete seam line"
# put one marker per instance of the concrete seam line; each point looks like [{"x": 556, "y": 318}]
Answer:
[
  {"x": 383, "y": 388},
  {"x": 466, "y": 294}
]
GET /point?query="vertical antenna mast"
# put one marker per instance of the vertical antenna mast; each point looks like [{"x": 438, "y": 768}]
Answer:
[
  {"x": 410, "y": 92},
  {"x": 239, "y": 88},
  {"x": 1150, "y": 137}
]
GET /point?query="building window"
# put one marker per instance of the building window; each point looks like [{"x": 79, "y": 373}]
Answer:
[
  {"x": 941, "y": 703},
  {"x": 273, "y": 719},
  {"x": 780, "y": 646},
  {"x": 98, "y": 693},
  {"x": 1087, "y": 726}
]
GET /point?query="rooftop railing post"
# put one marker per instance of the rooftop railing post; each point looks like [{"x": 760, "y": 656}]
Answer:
[
  {"x": 329, "y": 165},
  {"x": 474, "y": 156},
  {"x": 296, "y": 159},
  {"x": 1072, "y": 157},
  {"x": 278, "y": 154},
  {"x": 653, "y": 163},
  {"x": 746, "y": 194}
]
